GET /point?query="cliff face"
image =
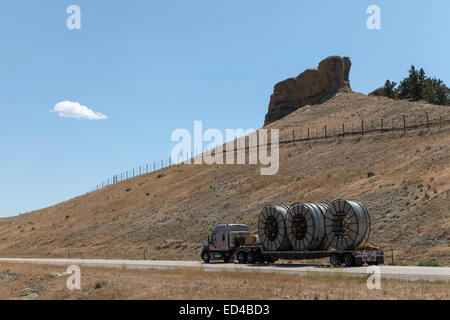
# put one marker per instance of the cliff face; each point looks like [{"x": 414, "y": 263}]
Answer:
[{"x": 313, "y": 86}]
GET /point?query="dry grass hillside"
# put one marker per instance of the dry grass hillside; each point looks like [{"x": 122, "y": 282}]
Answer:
[{"x": 169, "y": 212}]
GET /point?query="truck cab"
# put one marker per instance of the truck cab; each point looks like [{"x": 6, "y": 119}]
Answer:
[{"x": 221, "y": 244}]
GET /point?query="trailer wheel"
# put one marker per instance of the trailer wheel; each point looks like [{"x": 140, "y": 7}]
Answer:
[
  {"x": 271, "y": 260},
  {"x": 205, "y": 257},
  {"x": 349, "y": 259},
  {"x": 335, "y": 260},
  {"x": 242, "y": 257},
  {"x": 251, "y": 258}
]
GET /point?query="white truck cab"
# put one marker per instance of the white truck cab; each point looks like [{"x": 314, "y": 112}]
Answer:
[
  {"x": 223, "y": 235},
  {"x": 221, "y": 244}
]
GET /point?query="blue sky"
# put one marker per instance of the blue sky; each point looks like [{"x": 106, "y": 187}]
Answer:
[{"x": 154, "y": 66}]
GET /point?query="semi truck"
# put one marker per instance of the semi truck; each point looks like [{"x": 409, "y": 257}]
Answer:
[{"x": 230, "y": 242}]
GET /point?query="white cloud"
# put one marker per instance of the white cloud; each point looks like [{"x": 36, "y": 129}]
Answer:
[{"x": 69, "y": 109}]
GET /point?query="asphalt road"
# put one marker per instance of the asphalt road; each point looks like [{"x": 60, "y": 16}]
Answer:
[{"x": 411, "y": 273}]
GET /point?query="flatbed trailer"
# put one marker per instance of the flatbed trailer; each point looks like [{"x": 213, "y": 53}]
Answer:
[{"x": 356, "y": 257}]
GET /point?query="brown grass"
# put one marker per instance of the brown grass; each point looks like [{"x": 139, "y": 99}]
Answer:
[
  {"x": 25, "y": 281},
  {"x": 408, "y": 197}
]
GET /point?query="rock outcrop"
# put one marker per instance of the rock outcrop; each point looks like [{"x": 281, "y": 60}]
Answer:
[
  {"x": 313, "y": 86},
  {"x": 378, "y": 92}
]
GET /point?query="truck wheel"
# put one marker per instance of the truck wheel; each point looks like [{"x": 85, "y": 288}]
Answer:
[
  {"x": 372, "y": 263},
  {"x": 359, "y": 264},
  {"x": 242, "y": 257},
  {"x": 335, "y": 260},
  {"x": 226, "y": 259},
  {"x": 349, "y": 260},
  {"x": 251, "y": 258},
  {"x": 205, "y": 257}
]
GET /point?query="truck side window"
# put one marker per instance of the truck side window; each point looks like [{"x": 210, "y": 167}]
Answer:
[
  {"x": 213, "y": 237},
  {"x": 223, "y": 237}
]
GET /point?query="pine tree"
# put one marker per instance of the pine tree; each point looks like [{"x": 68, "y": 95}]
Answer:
[
  {"x": 418, "y": 86},
  {"x": 436, "y": 92},
  {"x": 441, "y": 93},
  {"x": 389, "y": 89},
  {"x": 415, "y": 88},
  {"x": 403, "y": 90},
  {"x": 421, "y": 83}
]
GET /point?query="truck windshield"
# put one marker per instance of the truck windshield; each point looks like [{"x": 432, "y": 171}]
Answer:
[{"x": 213, "y": 237}]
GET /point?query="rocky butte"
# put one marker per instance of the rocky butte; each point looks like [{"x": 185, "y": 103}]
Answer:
[{"x": 312, "y": 86}]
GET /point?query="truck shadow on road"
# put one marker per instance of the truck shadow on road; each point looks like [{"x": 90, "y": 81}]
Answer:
[
  {"x": 277, "y": 265},
  {"x": 291, "y": 265}
]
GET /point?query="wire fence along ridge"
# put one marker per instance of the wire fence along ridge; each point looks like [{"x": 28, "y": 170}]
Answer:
[{"x": 364, "y": 127}]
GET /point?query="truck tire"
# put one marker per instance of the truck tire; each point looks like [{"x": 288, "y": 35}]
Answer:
[
  {"x": 205, "y": 257},
  {"x": 359, "y": 264},
  {"x": 251, "y": 258},
  {"x": 241, "y": 257},
  {"x": 335, "y": 260},
  {"x": 226, "y": 259},
  {"x": 349, "y": 259}
]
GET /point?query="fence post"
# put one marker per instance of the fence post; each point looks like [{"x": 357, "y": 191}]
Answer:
[
  {"x": 426, "y": 113},
  {"x": 440, "y": 120},
  {"x": 325, "y": 132},
  {"x": 381, "y": 125},
  {"x": 293, "y": 136},
  {"x": 404, "y": 124},
  {"x": 308, "y": 133},
  {"x": 343, "y": 130},
  {"x": 372, "y": 125},
  {"x": 362, "y": 127}
]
